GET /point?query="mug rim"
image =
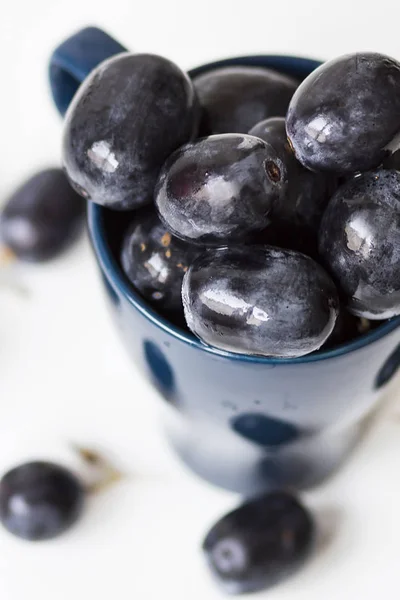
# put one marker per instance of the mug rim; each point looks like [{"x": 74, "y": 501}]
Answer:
[{"x": 119, "y": 282}]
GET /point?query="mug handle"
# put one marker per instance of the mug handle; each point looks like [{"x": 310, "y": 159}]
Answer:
[{"x": 74, "y": 59}]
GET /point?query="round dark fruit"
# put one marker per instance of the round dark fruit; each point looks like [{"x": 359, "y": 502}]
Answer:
[
  {"x": 39, "y": 500},
  {"x": 360, "y": 243},
  {"x": 236, "y": 98},
  {"x": 345, "y": 116},
  {"x": 295, "y": 217},
  {"x": 42, "y": 217},
  {"x": 260, "y": 544},
  {"x": 219, "y": 188},
  {"x": 128, "y": 116},
  {"x": 155, "y": 261},
  {"x": 259, "y": 300}
]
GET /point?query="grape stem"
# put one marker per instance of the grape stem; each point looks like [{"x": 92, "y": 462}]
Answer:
[
  {"x": 7, "y": 260},
  {"x": 7, "y": 256},
  {"x": 107, "y": 473}
]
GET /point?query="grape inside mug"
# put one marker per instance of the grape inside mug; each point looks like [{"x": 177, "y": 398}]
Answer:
[{"x": 241, "y": 422}]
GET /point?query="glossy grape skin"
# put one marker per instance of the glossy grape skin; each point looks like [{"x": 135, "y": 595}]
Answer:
[
  {"x": 296, "y": 216},
  {"x": 155, "y": 261},
  {"x": 42, "y": 217},
  {"x": 259, "y": 300},
  {"x": 360, "y": 243},
  {"x": 219, "y": 188},
  {"x": 39, "y": 500},
  {"x": 345, "y": 114},
  {"x": 260, "y": 544},
  {"x": 236, "y": 98},
  {"x": 128, "y": 116}
]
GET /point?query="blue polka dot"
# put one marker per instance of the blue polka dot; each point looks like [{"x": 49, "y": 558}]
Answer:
[
  {"x": 263, "y": 430},
  {"x": 160, "y": 369}
]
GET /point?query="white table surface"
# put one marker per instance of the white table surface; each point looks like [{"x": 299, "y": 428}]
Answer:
[{"x": 64, "y": 377}]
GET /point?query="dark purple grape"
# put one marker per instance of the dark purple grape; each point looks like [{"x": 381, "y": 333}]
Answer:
[
  {"x": 39, "y": 500},
  {"x": 259, "y": 300},
  {"x": 273, "y": 131},
  {"x": 219, "y": 188},
  {"x": 155, "y": 261},
  {"x": 346, "y": 113},
  {"x": 125, "y": 120},
  {"x": 360, "y": 242},
  {"x": 236, "y": 98},
  {"x": 42, "y": 217},
  {"x": 260, "y": 544},
  {"x": 295, "y": 217}
]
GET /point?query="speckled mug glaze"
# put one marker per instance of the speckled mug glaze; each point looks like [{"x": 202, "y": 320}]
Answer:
[{"x": 244, "y": 423}]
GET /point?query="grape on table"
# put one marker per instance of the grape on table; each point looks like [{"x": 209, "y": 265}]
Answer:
[
  {"x": 42, "y": 217},
  {"x": 40, "y": 500},
  {"x": 260, "y": 544}
]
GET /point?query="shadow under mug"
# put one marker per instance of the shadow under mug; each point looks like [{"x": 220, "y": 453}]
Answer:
[{"x": 244, "y": 423}]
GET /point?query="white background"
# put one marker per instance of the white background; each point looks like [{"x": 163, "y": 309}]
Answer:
[{"x": 64, "y": 377}]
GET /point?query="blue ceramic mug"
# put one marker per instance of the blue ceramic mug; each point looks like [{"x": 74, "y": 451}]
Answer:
[{"x": 245, "y": 423}]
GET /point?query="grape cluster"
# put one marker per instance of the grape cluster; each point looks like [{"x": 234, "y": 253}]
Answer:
[{"x": 273, "y": 204}]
